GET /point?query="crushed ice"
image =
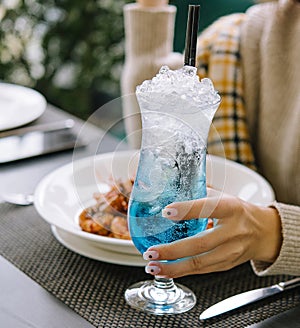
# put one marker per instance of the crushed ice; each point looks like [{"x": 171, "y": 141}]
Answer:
[{"x": 183, "y": 84}]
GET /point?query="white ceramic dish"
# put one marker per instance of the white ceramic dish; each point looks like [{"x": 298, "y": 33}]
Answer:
[
  {"x": 19, "y": 105},
  {"x": 78, "y": 245},
  {"x": 64, "y": 193}
]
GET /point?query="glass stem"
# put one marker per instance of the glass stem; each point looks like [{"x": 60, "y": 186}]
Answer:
[{"x": 164, "y": 283}]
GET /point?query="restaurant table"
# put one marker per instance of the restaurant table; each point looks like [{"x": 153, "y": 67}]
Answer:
[{"x": 43, "y": 284}]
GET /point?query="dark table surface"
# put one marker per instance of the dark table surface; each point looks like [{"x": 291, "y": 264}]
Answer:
[
  {"x": 14, "y": 176},
  {"x": 25, "y": 303},
  {"x": 286, "y": 319}
]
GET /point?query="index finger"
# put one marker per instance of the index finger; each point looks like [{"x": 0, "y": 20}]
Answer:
[{"x": 210, "y": 207}]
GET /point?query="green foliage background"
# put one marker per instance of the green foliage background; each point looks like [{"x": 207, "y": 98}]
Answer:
[{"x": 72, "y": 51}]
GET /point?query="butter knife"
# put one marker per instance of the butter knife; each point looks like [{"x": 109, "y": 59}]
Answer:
[
  {"x": 45, "y": 127},
  {"x": 248, "y": 297}
]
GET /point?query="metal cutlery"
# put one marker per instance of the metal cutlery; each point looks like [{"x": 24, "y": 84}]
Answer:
[
  {"x": 18, "y": 198},
  {"x": 46, "y": 127},
  {"x": 248, "y": 297}
]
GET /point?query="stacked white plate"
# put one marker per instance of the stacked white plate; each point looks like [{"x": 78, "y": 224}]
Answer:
[{"x": 63, "y": 194}]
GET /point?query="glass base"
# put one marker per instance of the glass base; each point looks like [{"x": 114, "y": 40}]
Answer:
[{"x": 160, "y": 296}]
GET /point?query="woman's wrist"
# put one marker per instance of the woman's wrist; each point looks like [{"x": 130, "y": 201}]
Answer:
[
  {"x": 271, "y": 237},
  {"x": 153, "y": 3}
]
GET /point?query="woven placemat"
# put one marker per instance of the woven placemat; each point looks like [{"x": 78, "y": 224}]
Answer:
[{"x": 95, "y": 290}]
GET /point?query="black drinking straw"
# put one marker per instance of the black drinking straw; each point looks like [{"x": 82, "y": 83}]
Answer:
[{"x": 191, "y": 35}]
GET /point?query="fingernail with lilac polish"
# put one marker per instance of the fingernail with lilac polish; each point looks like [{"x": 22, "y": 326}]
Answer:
[
  {"x": 150, "y": 255},
  {"x": 169, "y": 212},
  {"x": 152, "y": 269}
]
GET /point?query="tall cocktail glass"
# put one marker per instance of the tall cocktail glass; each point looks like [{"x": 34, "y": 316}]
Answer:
[{"x": 177, "y": 110}]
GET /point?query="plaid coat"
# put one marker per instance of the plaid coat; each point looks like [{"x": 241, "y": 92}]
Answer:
[{"x": 219, "y": 58}]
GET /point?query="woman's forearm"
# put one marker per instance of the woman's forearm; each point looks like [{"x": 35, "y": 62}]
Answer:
[{"x": 288, "y": 260}]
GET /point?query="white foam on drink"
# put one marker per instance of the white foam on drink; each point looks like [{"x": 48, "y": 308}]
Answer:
[{"x": 179, "y": 87}]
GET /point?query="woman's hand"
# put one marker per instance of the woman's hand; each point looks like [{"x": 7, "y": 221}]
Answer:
[{"x": 243, "y": 232}]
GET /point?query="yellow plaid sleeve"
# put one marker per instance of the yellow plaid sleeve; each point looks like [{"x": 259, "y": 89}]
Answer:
[{"x": 218, "y": 57}]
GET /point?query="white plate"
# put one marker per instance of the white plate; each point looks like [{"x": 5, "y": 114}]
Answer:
[
  {"x": 64, "y": 193},
  {"x": 19, "y": 105},
  {"x": 77, "y": 245}
]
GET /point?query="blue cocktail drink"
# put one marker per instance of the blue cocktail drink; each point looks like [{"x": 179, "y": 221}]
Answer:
[
  {"x": 147, "y": 226},
  {"x": 177, "y": 110}
]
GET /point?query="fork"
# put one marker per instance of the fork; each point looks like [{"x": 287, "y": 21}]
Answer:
[{"x": 18, "y": 198}]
